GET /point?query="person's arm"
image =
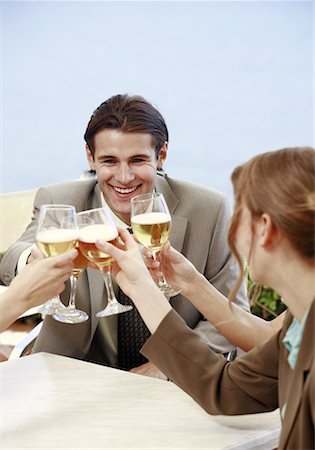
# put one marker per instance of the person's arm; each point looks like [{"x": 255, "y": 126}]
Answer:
[
  {"x": 241, "y": 327},
  {"x": 35, "y": 284},
  {"x": 246, "y": 385},
  {"x": 207, "y": 248},
  {"x": 135, "y": 280},
  {"x": 193, "y": 366},
  {"x": 221, "y": 271}
]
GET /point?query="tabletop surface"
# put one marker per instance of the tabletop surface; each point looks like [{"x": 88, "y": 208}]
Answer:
[{"x": 54, "y": 402}]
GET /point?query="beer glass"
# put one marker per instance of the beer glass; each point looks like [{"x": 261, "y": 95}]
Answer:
[
  {"x": 98, "y": 224},
  {"x": 57, "y": 232}
]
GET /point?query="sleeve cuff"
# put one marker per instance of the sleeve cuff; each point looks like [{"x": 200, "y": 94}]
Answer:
[{"x": 23, "y": 258}]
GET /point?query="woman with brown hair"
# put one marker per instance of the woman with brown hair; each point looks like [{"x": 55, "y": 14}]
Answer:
[{"x": 273, "y": 229}]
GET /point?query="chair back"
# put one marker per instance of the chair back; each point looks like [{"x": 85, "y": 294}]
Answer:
[{"x": 15, "y": 214}]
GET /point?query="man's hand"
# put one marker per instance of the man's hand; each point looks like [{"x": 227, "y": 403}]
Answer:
[{"x": 150, "y": 370}]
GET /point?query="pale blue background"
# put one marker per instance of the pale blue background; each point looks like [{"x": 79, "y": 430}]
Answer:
[{"x": 231, "y": 79}]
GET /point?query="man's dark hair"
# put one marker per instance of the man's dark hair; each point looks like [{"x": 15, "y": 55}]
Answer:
[{"x": 129, "y": 114}]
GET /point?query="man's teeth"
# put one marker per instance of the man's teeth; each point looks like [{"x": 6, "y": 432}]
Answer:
[{"x": 125, "y": 190}]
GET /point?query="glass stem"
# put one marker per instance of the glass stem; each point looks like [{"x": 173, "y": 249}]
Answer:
[
  {"x": 161, "y": 281},
  {"x": 73, "y": 291},
  {"x": 106, "y": 272}
]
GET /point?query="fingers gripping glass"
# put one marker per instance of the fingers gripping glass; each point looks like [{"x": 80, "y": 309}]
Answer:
[
  {"x": 57, "y": 233},
  {"x": 98, "y": 224},
  {"x": 151, "y": 224}
]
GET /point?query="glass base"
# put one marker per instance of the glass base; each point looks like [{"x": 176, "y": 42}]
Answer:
[
  {"x": 70, "y": 315},
  {"x": 49, "y": 308},
  {"x": 113, "y": 308},
  {"x": 169, "y": 291}
]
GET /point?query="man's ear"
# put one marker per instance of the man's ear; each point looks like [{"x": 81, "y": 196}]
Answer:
[
  {"x": 162, "y": 156},
  {"x": 90, "y": 157}
]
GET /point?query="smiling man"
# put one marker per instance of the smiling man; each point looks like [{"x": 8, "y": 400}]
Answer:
[
  {"x": 126, "y": 146},
  {"x": 126, "y": 165}
]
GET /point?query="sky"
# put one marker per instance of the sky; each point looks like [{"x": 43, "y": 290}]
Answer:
[{"x": 232, "y": 79}]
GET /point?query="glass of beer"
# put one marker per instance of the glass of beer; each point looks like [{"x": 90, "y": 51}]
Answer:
[
  {"x": 57, "y": 232},
  {"x": 151, "y": 225},
  {"x": 98, "y": 224}
]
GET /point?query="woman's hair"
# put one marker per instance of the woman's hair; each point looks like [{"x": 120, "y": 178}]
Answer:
[
  {"x": 129, "y": 114},
  {"x": 282, "y": 184}
]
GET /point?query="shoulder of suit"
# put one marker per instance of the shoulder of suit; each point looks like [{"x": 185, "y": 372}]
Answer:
[
  {"x": 73, "y": 185},
  {"x": 182, "y": 188}
]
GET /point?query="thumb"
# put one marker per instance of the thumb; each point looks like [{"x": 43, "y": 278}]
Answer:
[
  {"x": 166, "y": 249},
  {"x": 67, "y": 257},
  {"x": 108, "y": 248},
  {"x": 36, "y": 253}
]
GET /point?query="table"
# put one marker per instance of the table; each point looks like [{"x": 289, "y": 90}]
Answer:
[{"x": 54, "y": 402}]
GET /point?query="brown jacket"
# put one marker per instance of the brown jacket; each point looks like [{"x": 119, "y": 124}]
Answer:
[{"x": 259, "y": 381}]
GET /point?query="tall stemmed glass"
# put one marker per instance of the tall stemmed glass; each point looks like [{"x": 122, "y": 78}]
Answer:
[
  {"x": 71, "y": 314},
  {"x": 98, "y": 224},
  {"x": 151, "y": 224},
  {"x": 57, "y": 232}
]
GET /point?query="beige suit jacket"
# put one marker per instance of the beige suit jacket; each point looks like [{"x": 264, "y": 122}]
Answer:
[
  {"x": 200, "y": 219},
  {"x": 259, "y": 381}
]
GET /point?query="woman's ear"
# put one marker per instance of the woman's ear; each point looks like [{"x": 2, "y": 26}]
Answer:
[
  {"x": 90, "y": 157},
  {"x": 162, "y": 156},
  {"x": 268, "y": 233}
]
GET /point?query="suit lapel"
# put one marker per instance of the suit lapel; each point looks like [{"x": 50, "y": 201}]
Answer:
[
  {"x": 83, "y": 196},
  {"x": 295, "y": 382},
  {"x": 94, "y": 201},
  {"x": 179, "y": 223}
]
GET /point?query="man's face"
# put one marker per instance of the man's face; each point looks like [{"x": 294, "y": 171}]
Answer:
[{"x": 125, "y": 165}]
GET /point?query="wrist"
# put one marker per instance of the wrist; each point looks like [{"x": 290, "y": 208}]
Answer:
[
  {"x": 139, "y": 292},
  {"x": 12, "y": 300},
  {"x": 193, "y": 286},
  {"x": 151, "y": 303}
]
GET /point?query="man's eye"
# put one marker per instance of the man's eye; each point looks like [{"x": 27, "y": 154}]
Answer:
[
  {"x": 108, "y": 161},
  {"x": 138, "y": 160}
]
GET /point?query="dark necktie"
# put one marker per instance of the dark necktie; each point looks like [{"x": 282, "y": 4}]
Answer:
[{"x": 132, "y": 334}]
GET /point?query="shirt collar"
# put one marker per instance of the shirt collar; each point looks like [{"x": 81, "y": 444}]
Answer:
[
  {"x": 293, "y": 338},
  {"x": 118, "y": 222}
]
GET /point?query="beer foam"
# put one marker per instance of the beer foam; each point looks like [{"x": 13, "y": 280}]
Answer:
[
  {"x": 92, "y": 233},
  {"x": 151, "y": 218},
  {"x": 56, "y": 235}
]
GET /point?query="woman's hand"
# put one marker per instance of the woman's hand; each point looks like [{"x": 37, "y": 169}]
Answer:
[
  {"x": 178, "y": 271},
  {"x": 135, "y": 280},
  {"x": 128, "y": 266},
  {"x": 42, "y": 279}
]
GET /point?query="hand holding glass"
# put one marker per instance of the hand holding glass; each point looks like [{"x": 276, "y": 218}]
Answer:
[
  {"x": 151, "y": 224},
  {"x": 57, "y": 233}
]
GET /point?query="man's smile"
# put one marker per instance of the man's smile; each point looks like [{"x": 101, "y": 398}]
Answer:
[{"x": 124, "y": 190}]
